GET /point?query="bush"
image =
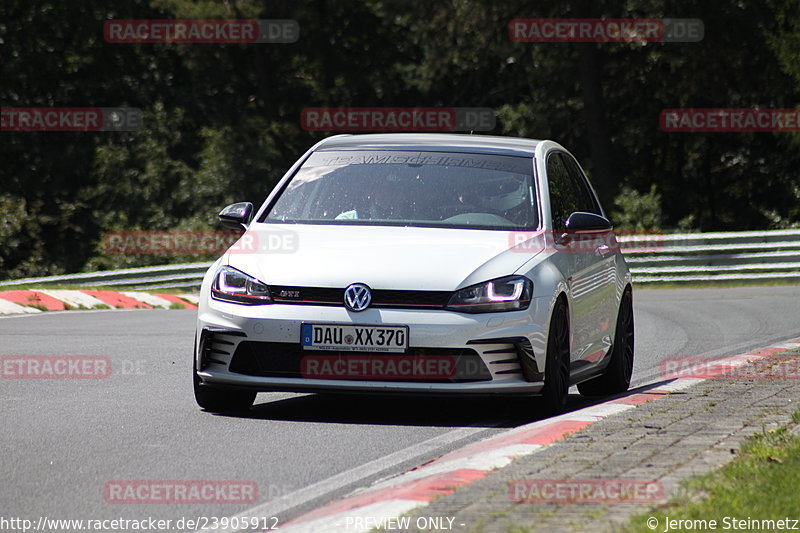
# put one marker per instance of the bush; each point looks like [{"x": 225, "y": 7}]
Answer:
[{"x": 638, "y": 211}]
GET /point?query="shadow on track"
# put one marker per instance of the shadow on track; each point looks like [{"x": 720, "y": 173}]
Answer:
[{"x": 446, "y": 411}]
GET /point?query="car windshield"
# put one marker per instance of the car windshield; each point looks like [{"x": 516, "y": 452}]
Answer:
[{"x": 410, "y": 189}]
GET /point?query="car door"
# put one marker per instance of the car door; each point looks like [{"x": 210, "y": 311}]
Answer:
[
  {"x": 594, "y": 280},
  {"x": 563, "y": 202}
]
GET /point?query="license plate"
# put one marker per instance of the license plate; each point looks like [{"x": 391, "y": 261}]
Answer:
[{"x": 389, "y": 339}]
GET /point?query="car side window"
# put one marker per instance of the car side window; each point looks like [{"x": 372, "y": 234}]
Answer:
[
  {"x": 586, "y": 200},
  {"x": 563, "y": 196}
]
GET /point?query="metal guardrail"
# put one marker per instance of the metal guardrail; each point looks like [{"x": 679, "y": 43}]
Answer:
[
  {"x": 682, "y": 257},
  {"x": 709, "y": 257},
  {"x": 187, "y": 275}
]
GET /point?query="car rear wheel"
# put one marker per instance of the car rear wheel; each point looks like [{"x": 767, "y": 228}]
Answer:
[
  {"x": 616, "y": 378},
  {"x": 219, "y": 400},
  {"x": 556, "y": 371}
]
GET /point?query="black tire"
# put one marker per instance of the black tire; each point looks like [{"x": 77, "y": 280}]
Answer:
[
  {"x": 219, "y": 400},
  {"x": 616, "y": 378},
  {"x": 556, "y": 371}
]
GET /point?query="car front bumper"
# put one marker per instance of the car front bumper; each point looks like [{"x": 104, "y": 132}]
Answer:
[{"x": 236, "y": 343}]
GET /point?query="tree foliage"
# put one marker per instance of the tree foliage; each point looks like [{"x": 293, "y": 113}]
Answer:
[{"x": 222, "y": 121}]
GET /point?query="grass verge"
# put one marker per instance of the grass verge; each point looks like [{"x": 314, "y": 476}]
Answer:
[{"x": 761, "y": 484}]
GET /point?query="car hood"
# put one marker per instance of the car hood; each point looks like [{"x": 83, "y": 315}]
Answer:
[{"x": 383, "y": 257}]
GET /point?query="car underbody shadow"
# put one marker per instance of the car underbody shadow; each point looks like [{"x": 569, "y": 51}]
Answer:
[{"x": 397, "y": 410}]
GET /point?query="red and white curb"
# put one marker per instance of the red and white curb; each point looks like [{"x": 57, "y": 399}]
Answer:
[
  {"x": 36, "y": 301},
  {"x": 384, "y": 502}
]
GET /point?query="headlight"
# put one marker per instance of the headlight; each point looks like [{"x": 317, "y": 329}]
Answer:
[
  {"x": 511, "y": 293},
  {"x": 231, "y": 285}
]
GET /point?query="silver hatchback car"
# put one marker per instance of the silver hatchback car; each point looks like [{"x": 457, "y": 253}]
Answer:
[{"x": 422, "y": 264}]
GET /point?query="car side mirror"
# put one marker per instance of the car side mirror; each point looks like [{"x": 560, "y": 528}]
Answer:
[
  {"x": 579, "y": 222},
  {"x": 237, "y": 216}
]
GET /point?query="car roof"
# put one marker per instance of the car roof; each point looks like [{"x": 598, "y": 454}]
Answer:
[{"x": 433, "y": 142}]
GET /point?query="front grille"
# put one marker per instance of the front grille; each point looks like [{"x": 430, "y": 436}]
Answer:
[
  {"x": 380, "y": 298},
  {"x": 289, "y": 360}
]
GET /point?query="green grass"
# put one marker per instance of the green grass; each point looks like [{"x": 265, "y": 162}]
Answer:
[{"x": 761, "y": 483}]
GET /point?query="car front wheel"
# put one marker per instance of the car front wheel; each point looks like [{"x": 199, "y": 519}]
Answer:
[
  {"x": 556, "y": 371},
  {"x": 219, "y": 400}
]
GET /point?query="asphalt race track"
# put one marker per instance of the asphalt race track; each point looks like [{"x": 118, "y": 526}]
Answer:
[{"x": 64, "y": 440}]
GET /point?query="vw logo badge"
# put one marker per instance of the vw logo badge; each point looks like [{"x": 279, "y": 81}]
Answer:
[{"x": 357, "y": 297}]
